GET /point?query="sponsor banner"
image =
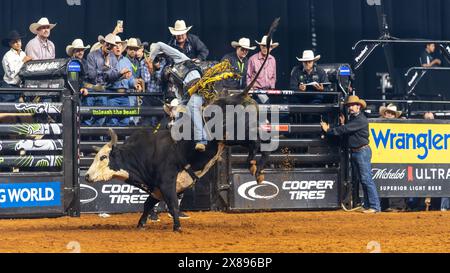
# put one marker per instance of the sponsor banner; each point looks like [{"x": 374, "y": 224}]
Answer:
[
  {"x": 28, "y": 197},
  {"x": 410, "y": 143},
  {"x": 111, "y": 197},
  {"x": 286, "y": 190},
  {"x": 412, "y": 180}
]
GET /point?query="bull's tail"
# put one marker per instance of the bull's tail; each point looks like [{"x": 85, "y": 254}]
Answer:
[{"x": 272, "y": 30}]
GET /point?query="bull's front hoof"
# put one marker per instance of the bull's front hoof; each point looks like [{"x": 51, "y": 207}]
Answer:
[
  {"x": 260, "y": 178},
  {"x": 140, "y": 226}
]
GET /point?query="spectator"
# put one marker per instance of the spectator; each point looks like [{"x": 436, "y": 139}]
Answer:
[
  {"x": 239, "y": 62},
  {"x": 427, "y": 59},
  {"x": 390, "y": 112},
  {"x": 268, "y": 76},
  {"x": 132, "y": 48},
  {"x": 12, "y": 62},
  {"x": 140, "y": 53},
  {"x": 357, "y": 130},
  {"x": 154, "y": 83},
  {"x": 103, "y": 71},
  {"x": 308, "y": 76},
  {"x": 41, "y": 48},
  {"x": 76, "y": 51},
  {"x": 122, "y": 85},
  {"x": 391, "y": 204},
  {"x": 189, "y": 44}
]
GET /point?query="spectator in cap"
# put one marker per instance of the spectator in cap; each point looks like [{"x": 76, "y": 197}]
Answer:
[
  {"x": 12, "y": 62},
  {"x": 239, "y": 62},
  {"x": 189, "y": 44},
  {"x": 41, "y": 48}
]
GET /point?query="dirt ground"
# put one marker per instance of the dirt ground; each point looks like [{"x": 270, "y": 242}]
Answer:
[{"x": 217, "y": 232}]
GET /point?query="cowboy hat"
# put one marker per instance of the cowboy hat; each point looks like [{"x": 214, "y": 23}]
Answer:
[
  {"x": 179, "y": 28},
  {"x": 244, "y": 43},
  {"x": 391, "y": 108},
  {"x": 308, "y": 55},
  {"x": 12, "y": 36},
  {"x": 264, "y": 42},
  {"x": 119, "y": 41},
  {"x": 356, "y": 100},
  {"x": 76, "y": 44},
  {"x": 134, "y": 43},
  {"x": 110, "y": 39},
  {"x": 41, "y": 23}
]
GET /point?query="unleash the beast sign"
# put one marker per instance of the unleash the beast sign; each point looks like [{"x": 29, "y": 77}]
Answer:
[{"x": 411, "y": 158}]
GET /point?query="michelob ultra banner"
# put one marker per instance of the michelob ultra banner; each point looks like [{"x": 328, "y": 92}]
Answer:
[{"x": 410, "y": 143}]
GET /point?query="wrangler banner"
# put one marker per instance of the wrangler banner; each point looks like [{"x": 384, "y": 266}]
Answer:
[{"x": 411, "y": 158}]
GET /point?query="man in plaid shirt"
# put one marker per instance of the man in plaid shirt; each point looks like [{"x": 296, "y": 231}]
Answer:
[{"x": 154, "y": 84}]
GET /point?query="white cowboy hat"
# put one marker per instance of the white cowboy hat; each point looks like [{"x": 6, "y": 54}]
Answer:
[
  {"x": 110, "y": 39},
  {"x": 308, "y": 55},
  {"x": 134, "y": 43},
  {"x": 179, "y": 28},
  {"x": 391, "y": 108},
  {"x": 244, "y": 43},
  {"x": 264, "y": 42},
  {"x": 119, "y": 41},
  {"x": 42, "y": 22},
  {"x": 76, "y": 44}
]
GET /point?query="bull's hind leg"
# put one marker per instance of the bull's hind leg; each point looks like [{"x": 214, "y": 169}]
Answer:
[
  {"x": 251, "y": 159},
  {"x": 261, "y": 165},
  {"x": 169, "y": 193},
  {"x": 148, "y": 206}
]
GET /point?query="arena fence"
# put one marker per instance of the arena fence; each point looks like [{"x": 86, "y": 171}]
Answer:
[{"x": 38, "y": 157}]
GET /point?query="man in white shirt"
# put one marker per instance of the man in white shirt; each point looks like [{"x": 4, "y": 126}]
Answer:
[
  {"x": 41, "y": 48},
  {"x": 12, "y": 62}
]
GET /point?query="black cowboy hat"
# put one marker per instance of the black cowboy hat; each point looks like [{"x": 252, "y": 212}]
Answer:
[{"x": 12, "y": 36}]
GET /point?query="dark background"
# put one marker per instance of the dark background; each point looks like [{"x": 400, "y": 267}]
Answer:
[{"x": 339, "y": 24}]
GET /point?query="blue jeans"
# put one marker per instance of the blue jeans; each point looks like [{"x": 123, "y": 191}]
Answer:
[
  {"x": 445, "y": 203},
  {"x": 91, "y": 102},
  {"x": 118, "y": 102},
  {"x": 361, "y": 162},
  {"x": 195, "y": 109},
  {"x": 134, "y": 103}
]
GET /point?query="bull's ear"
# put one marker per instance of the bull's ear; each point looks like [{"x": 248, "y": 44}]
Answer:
[
  {"x": 96, "y": 148},
  {"x": 114, "y": 138}
]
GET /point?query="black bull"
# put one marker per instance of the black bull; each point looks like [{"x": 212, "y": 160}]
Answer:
[{"x": 154, "y": 162}]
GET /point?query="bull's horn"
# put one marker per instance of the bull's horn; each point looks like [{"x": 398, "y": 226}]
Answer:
[
  {"x": 167, "y": 109},
  {"x": 114, "y": 138},
  {"x": 96, "y": 148}
]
